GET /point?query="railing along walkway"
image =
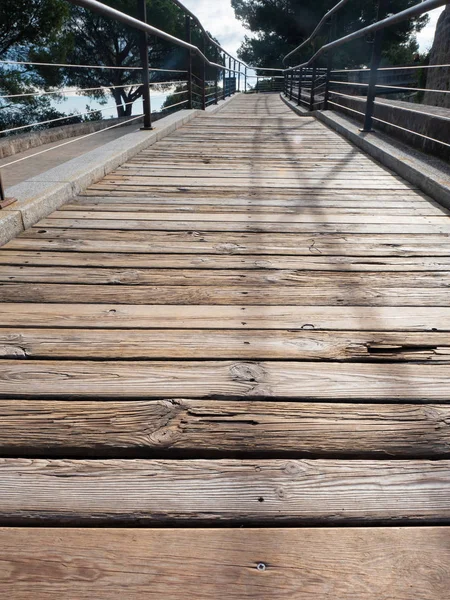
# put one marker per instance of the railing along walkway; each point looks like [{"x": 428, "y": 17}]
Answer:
[{"x": 248, "y": 324}]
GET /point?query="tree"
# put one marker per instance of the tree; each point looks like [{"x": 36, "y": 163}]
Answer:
[
  {"x": 90, "y": 39},
  {"x": 281, "y": 25},
  {"x": 25, "y": 24}
]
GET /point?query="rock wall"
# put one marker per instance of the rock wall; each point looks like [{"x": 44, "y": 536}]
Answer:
[{"x": 439, "y": 79}]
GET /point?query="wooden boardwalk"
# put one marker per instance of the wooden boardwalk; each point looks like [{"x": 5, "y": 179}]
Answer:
[{"x": 225, "y": 375}]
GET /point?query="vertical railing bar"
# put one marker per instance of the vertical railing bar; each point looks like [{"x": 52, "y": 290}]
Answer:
[
  {"x": 300, "y": 81},
  {"x": 224, "y": 91},
  {"x": 331, "y": 36},
  {"x": 216, "y": 82},
  {"x": 189, "y": 61},
  {"x": 143, "y": 50},
  {"x": 313, "y": 85},
  {"x": 374, "y": 65},
  {"x": 203, "y": 49}
]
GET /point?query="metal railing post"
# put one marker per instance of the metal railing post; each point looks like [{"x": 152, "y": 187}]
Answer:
[
  {"x": 300, "y": 78},
  {"x": 234, "y": 77},
  {"x": 239, "y": 76},
  {"x": 229, "y": 76},
  {"x": 245, "y": 81},
  {"x": 189, "y": 62},
  {"x": 291, "y": 90},
  {"x": 203, "y": 46},
  {"x": 313, "y": 87},
  {"x": 374, "y": 65},
  {"x": 331, "y": 35},
  {"x": 143, "y": 49},
  {"x": 216, "y": 82},
  {"x": 224, "y": 92}
]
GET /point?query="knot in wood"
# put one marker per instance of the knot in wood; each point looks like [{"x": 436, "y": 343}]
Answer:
[{"x": 247, "y": 373}]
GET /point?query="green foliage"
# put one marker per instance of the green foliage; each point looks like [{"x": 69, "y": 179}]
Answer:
[
  {"x": 281, "y": 25},
  {"x": 90, "y": 39},
  {"x": 53, "y": 31},
  {"x": 25, "y": 22},
  {"x": 24, "y": 25}
]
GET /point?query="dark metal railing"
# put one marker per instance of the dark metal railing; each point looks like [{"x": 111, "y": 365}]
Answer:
[
  {"x": 196, "y": 86},
  {"x": 358, "y": 91},
  {"x": 310, "y": 84}
]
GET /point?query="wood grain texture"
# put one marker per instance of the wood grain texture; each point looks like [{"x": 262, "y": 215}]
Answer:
[
  {"x": 304, "y": 344},
  {"x": 246, "y": 324},
  {"x": 243, "y": 317},
  {"x": 313, "y": 492},
  {"x": 222, "y": 379},
  {"x": 350, "y": 295},
  {"x": 355, "y": 264},
  {"x": 299, "y": 217},
  {"x": 315, "y": 226},
  {"x": 223, "y": 277},
  {"x": 300, "y": 564},
  {"x": 189, "y": 428},
  {"x": 198, "y": 242},
  {"x": 266, "y": 207}
]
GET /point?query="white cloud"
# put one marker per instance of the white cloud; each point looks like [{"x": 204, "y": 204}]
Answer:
[
  {"x": 218, "y": 18},
  {"x": 426, "y": 36}
]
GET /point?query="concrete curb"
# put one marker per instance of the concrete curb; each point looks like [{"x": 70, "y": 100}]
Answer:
[
  {"x": 41, "y": 195},
  {"x": 431, "y": 175},
  {"x": 299, "y": 110}
]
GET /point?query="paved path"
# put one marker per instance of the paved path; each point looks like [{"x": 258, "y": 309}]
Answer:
[{"x": 39, "y": 164}]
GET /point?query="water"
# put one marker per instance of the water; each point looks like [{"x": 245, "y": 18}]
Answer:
[{"x": 77, "y": 104}]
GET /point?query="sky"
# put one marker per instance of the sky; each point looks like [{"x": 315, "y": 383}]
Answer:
[
  {"x": 426, "y": 36},
  {"x": 218, "y": 18}
]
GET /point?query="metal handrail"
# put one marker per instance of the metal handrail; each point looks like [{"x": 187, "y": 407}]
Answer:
[
  {"x": 316, "y": 31},
  {"x": 107, "y": 11},
  {"x": 298, "y": 79},
  {"x": 413, "y": 11}
]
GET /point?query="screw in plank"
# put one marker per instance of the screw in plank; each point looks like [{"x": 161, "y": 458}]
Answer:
[{"x": 261, "y": 567}]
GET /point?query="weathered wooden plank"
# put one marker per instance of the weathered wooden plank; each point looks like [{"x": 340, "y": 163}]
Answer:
[
  {"x": 198, "y": 242},
  {"x": 124, "y": 184},
  {"x": 24, "y": 342},
  {"x": 133, "y": 171},
  {"x": 221, "y": 379},
  {"x": 269, "y": 318},
  {"x": 242, "y": 491},
  {"x": 208, "y": 427},
  {"x": 300, "y": 217},
  {"x": 304, "y": 264},
  {"x": 330, "y": 564},
  {"x": 224, "y": 277},
  {"x": 316, "y": 194},
  {"x": 254, "y": 207},
  {"x": 274, "y": 295},
  {"x": 418, "y": 226}
]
